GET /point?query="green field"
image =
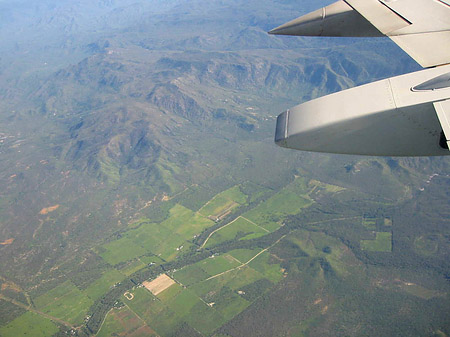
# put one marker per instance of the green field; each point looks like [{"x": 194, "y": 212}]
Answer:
[
  {"x": 153, "y": 311},
  {"x": 29, "y": 324},
  {"x": 185, "y": 222},
  {"x": 267, "y": 266},
  {"x": 329, "y": 188},
  {"x": 183, "y": 302},
  {"x": 165, "y": 240},
  {"x": 241, "y": 228},
  {"x": 228, "y": 303},
  {"x": 133, "y": 267},
  {"x": 223, "y": 293},
  {"x": 103, "y": 284},
  {"x": 234, "y": 280},
  {"x": 218, "y": 264},
  {"x": 190, "y": 275},
  {"x": 223, "y": 202},
  {"x": 65, "y": 302},
  {"x": 148, "y": 235},
  {"x": 244, "y": 255},
  {"x": 204, "y": 318},
  {"x": 150, "y": 259},
  {"x": 120, "y": 250},
  {"x": 382, "y": 243},
  {"x": 318, "y": 244},
  {"x": 288, "y": 201}
]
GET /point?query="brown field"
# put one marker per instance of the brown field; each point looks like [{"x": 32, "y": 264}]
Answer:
[
  {"x": 12, "y": 286},
  {"x": 7, "y": 242},
  {"x": 131, "y": 324},
  {"x": 48, "y": 209},
  {"x": 159, "y": 284}
]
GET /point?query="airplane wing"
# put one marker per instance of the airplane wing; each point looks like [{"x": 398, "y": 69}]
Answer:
[
  {"x": 420, "y": 27},
  {"x": 417, "y": 103}
]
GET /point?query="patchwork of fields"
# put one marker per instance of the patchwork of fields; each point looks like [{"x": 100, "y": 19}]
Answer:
[
  {"x": 206, "y": 294},
  {"x": 201, "y": 297}
]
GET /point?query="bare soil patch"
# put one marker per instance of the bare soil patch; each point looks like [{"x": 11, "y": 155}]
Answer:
[
  {"x": 48, "y": 209},
  {"x": 7, "y": 242},
  {"x": 159, "y": 284}
]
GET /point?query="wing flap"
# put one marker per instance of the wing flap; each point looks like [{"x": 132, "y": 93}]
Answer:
[
  {"x": 379, "y": 15},
  {"x": 420, "y": 27},
  {"x": 427, "y": 49}
]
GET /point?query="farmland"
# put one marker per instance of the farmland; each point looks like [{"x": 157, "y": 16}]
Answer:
[
  {"x": 103, "y": 284},
  {"x": 381, "y": 243},
  {"x": 29, "y": 322},
  {"x": 240, "y": 229},
  {"x": 223, "y": 202},
  {"x": 290, "y": 200},
  {"x": 66, "y": 302},
  {"x": 136, "y": 140},
  {"x": 123, "y": 322}
]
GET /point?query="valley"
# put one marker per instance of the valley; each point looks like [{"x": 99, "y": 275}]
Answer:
[{"x": 136, "y": 140}]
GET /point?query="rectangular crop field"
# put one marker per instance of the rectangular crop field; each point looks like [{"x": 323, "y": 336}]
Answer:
[
  {"x": 29, "y": 324},
  {"x": 120, "y": 250},
  {"x": 65, "y": 302},
  {"x": 240, "y": 228},
  {"x": 124, "y": 322},
  {"x": 190, "y": 275},
  {"x": 269, "y": 213},
  {"x": 382, "y": 243},
  {"x": 185, "y": 222},
  {"x": 158, "y": 285},
  {"x": 223, "y": 202},
  {"x": 268, "y": 266},
  {"x": 103, "y": 284},
  {"x": 218, "y": 264},
  {"x": 148, "y": 235},
  {"x": 133, "y": 267},
  {"x": 244, "y": 255}
]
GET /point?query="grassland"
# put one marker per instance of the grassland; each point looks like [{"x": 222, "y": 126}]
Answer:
[
  {"x": 164, "y": 240},
  {"x": 382, "y": 243},
  {"x": 268, "y": 266},
  {"x": 328, "y": 187},
  {"x": 223, "y": 202},
  {"x": 427, "y": 245},
  {"x": 103, "y": 284},
  {"x": 317, "y": 245},
  {"x": 190, "y": 275},
  {"x": 290, "y": 200},
  {"x": 218, "y": 264},
  {"x": 185, "y": 222},
  {"x": 120, "y": 250},
  {"x": 244, "y": 255},
  {"x": 211, "y": 293},
  {"x": 29, "y": 324},
  {"x": 65, "y": 302},
  {"x": 134, "y": 266},
  {"x": 241, "y": 229}
]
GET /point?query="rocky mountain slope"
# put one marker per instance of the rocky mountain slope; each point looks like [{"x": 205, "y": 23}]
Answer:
[{"x": 108, "y": 107}]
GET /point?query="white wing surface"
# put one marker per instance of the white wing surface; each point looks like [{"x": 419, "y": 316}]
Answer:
[
  {"x": 408, "y": 115},
  {"x": 420, "y": 27}
]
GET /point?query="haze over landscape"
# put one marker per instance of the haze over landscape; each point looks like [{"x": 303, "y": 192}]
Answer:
[{"x": 136, "y": 140}]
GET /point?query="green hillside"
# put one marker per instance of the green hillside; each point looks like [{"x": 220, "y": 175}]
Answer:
[{"x": 136, "y": 139}]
